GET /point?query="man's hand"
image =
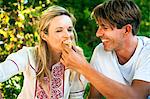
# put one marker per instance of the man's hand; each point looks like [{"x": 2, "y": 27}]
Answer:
[{"x": 73, "y": 57}]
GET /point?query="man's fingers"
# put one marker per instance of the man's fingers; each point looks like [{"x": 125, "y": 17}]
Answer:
[
  {"x": 64, "y": 53},
  {"x": 78, "y": 50},
  {"x": 62, "y": 61},
  {"x": 67, "y": 49},
  {"x": 64, "y": 56}
]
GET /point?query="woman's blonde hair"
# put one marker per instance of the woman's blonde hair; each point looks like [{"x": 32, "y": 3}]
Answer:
[{"x": 43, "y": 55}]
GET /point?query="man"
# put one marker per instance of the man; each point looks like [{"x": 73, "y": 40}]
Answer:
[{"x": 120, "y": 65}]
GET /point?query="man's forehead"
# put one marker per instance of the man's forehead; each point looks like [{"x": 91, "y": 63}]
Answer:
[
  {"x": 104, "y": 22},
  {"x": 101, "y": 21}
]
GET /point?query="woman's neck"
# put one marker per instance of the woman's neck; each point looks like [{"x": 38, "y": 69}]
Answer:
[{"x": 54, "y": 57}]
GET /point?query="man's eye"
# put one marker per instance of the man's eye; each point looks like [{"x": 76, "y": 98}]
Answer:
[{"x": 105, "y": 28}]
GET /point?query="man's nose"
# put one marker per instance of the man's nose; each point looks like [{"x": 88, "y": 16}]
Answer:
[{"x": 100, "y": 32}]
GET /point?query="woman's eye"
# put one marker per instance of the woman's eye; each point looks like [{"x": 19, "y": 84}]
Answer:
[
  {"x": 70, "y": 30},
  {"x": 58, "y": 30}
]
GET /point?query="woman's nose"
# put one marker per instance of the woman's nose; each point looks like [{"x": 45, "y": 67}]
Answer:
[
  {"x": 100, "y": 32},
  {"x": 67, "y": 34}
]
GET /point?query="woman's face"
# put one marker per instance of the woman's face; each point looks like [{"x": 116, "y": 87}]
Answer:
[{"x": 60, "y": 30}]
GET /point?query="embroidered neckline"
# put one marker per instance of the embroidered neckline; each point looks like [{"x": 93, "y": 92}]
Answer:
[{"x": 56, "y": 84}]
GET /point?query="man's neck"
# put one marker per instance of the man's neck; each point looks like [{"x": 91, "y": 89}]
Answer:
[{"x": 127, "y": 50}]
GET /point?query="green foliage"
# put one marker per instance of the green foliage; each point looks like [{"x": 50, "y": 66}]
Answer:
[
  {"x": 18, "y": 27},
  {"x": 145, "y": 11},
  {"x": 12, "y": 87}
]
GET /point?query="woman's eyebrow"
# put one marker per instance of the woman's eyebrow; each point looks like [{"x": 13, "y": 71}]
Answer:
[
  {"x": 70, "y": 26},
  {"x": 58, "y": 27}
]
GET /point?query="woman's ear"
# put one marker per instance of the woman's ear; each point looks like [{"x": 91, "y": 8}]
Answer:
[{"x": 43, "y": 35}]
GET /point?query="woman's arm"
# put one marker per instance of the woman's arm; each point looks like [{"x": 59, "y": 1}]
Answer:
[
  {"x": 14, "y": 63},
  {"x": 7, "y": 69}
]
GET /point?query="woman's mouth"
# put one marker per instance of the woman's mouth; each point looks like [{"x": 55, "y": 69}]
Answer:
[{"x": 68, "y": 43}]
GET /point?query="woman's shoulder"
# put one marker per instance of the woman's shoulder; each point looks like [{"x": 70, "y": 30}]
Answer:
[
  {"x": 31, "y": 54},
  {"x": 21, "y": 53},
  {"x": 31, "y": 51},
  {"x": 29, "y": 48}
]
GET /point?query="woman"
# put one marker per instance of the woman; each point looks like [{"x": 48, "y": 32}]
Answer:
[{"x": 44, "y": 76}]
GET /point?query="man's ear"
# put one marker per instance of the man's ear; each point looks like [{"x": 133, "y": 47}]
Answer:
[
  {"x": 129, "y": 28},
  {"x": 43, "y": 35}
]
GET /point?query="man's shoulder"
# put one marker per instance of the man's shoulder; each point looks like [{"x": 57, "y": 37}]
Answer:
[
  {"x": 145, "y": 42},
  {"x": 145, "y": 47},
  {"x": 99, "y": 51},
  {"x": 99, "y": 47}
]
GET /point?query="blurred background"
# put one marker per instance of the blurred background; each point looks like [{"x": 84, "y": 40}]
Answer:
[{"x": 18, "y": 27}]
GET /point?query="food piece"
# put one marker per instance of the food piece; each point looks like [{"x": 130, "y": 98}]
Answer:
[
  {"x": 70, "y": 44},
  {"x": 74, "y": 47}
]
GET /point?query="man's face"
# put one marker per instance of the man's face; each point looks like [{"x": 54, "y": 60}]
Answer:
[{"x": 111, "y": 37}]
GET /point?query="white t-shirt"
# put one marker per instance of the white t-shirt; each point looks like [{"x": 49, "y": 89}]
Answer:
[{"x": 138, "y": 67}]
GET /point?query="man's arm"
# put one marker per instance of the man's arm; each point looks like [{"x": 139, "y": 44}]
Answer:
[
  {"x": 142, "y": 88},
  {"x": 94, "y": 94},
  {"x": 106, "y": 86},
  {"x": 113, "y": 89}
]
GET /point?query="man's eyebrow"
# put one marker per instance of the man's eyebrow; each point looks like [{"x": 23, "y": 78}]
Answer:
[{"x": 102, "y": 25}]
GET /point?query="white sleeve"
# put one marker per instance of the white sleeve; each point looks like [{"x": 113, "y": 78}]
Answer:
[
  {"x": 95, "y": 59},
  {"x": 143, "y": 71},
  {"x": 14, "y": 63}
]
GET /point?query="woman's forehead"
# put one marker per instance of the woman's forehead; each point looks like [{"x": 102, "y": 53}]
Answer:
[{"x": 62, "y": 20}]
